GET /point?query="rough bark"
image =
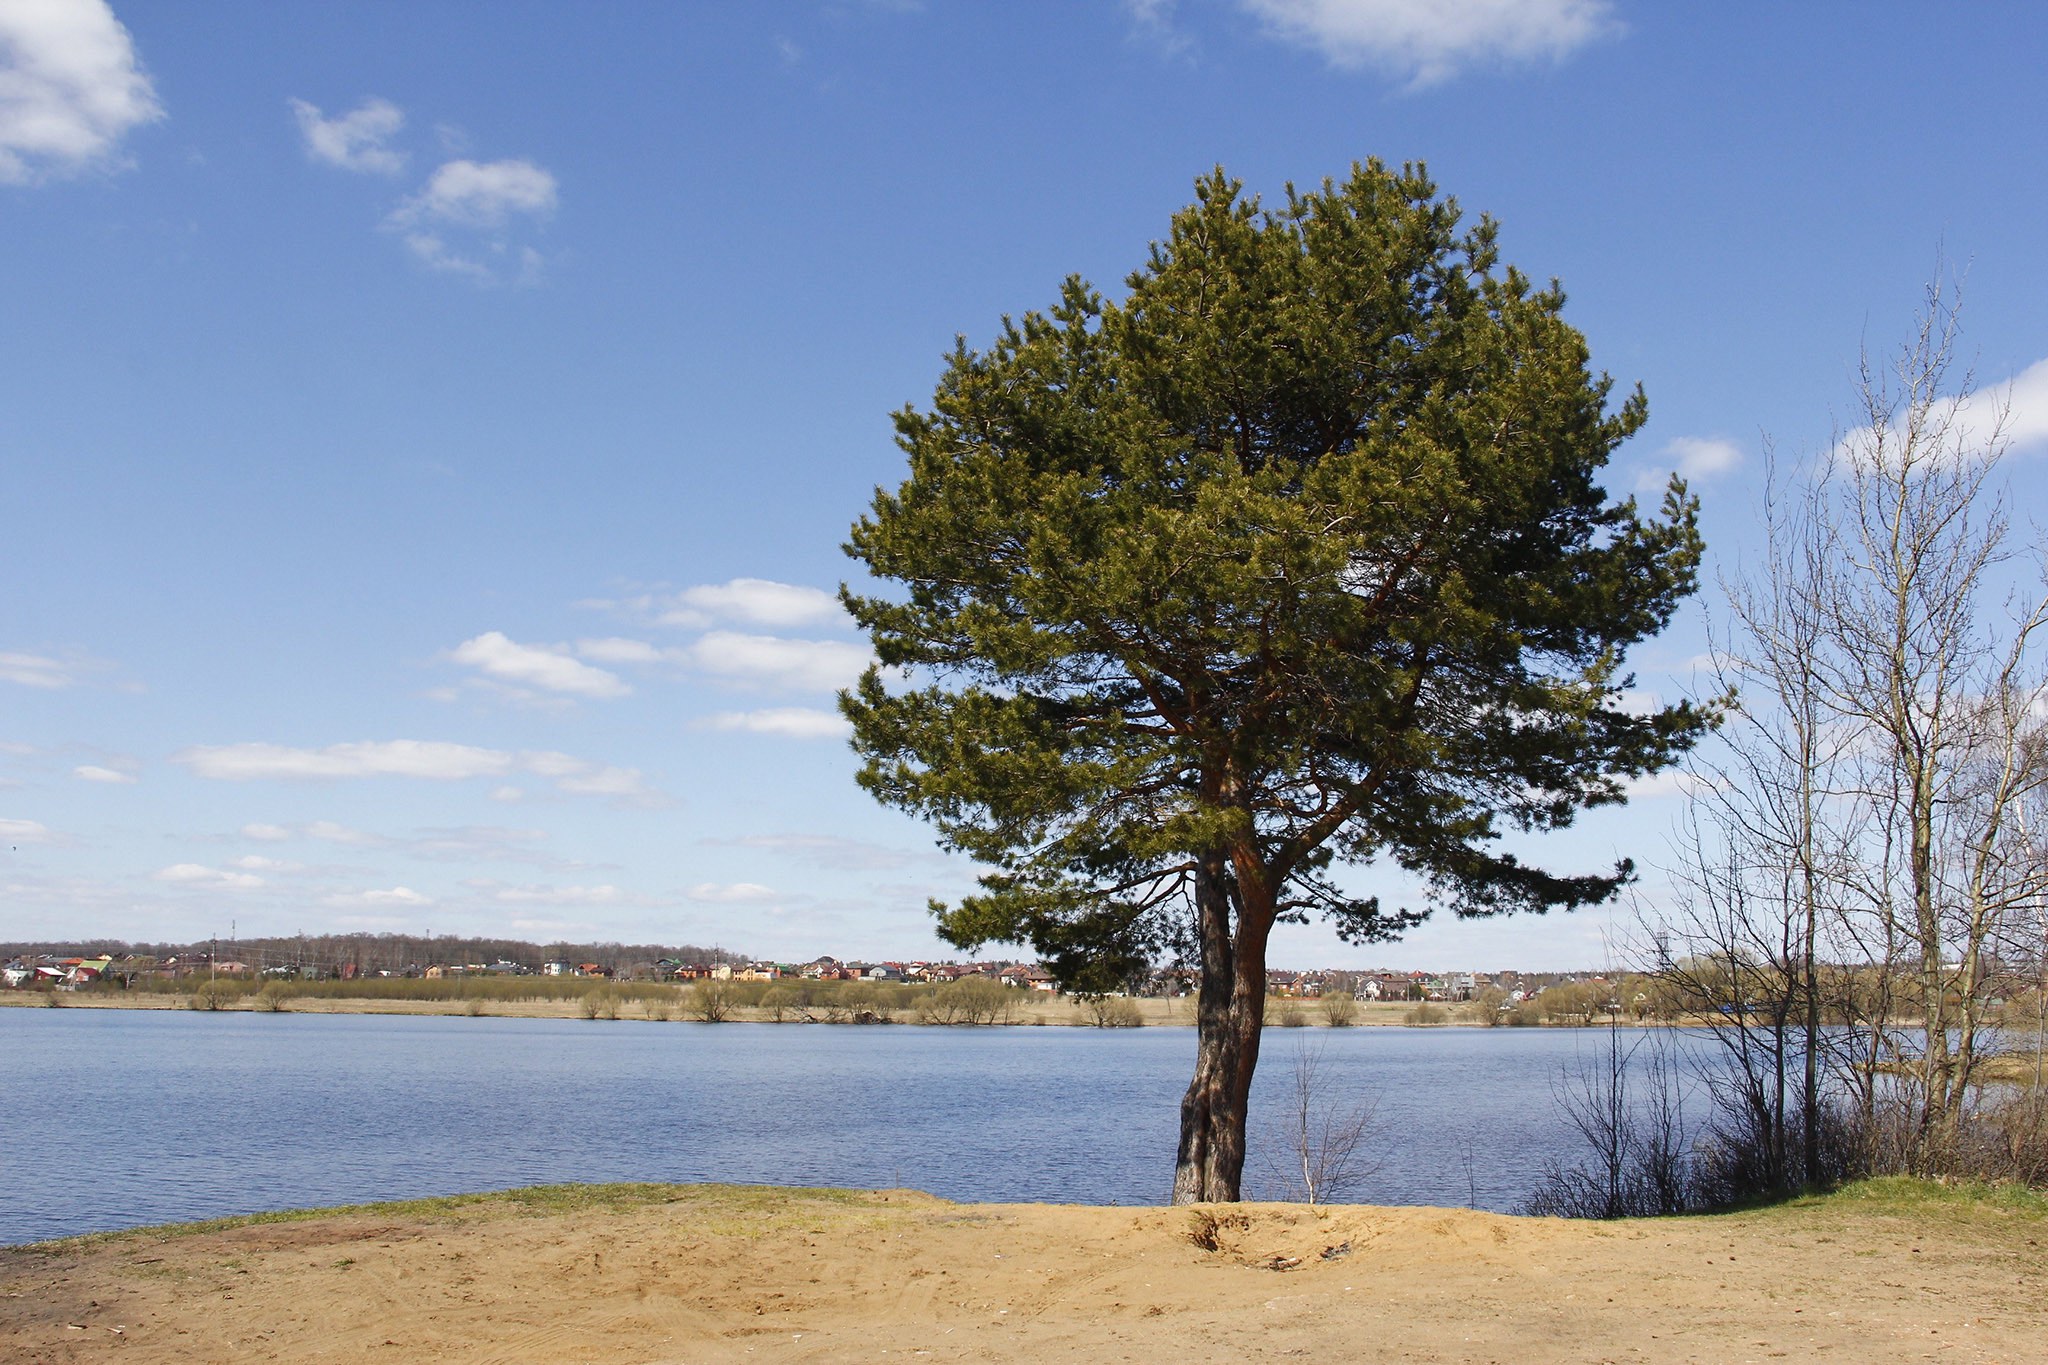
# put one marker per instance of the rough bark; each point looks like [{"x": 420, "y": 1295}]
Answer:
[{"x": 1230, "y": 1010}]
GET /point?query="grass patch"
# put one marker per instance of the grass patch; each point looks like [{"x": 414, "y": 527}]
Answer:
[
  {"x": 1911, "y": 1198},
  {"x": 740, "y": 1204},
  {"x": 1907, "y": 1196}
]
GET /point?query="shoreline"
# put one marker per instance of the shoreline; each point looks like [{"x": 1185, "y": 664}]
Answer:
[
  {"x": 1889, "y": 1270},
  {"x": 1058, "y": 1012}
]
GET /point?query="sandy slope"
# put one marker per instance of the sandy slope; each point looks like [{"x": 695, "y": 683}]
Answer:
[{"x": 718, "y": 1274}]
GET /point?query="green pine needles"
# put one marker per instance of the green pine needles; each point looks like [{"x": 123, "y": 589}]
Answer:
[{"x": 1294, "y": 557}]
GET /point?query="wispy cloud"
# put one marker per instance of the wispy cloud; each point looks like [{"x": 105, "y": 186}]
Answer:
[
  {"x": 754, "y": 601},
  {"x": 331, "y": 832},
  {"x": 468, "y": 217},
  {"x": 482, "y": 194},
  {"x": 429, "y": 760},
  {"x": 397, "y": 896},
  {"x": 790, "y": 722},
  {"x": 1670, "y": 782},
  {"x": 25, "y": 832},
  {"x": 741, "y": 658},
  {"x": 456, "y": 843},
  {"x": 70, "y": 89},
  {"x": 47, "y": 671},
  {"x": 359, "y": 140},
  {"x": 211, "y": 878},
  {"x": 1696, "y": 459},
  {"x": 2014, "y": 412},
  {"x": 778, "y": 662},
  {"x": 463, "y": 219},
  {"x": 828, "y": 850},
  {"x": 1421, "y": 42},
  {"x": 93, "y": 772},
  {"x": 731, "y": 893},
  {"x": 738, "y": 601},
  {"x": 549, "y": 668}
]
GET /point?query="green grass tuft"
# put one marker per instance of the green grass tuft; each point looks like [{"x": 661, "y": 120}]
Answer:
[{"x": 718, "y": 1201}]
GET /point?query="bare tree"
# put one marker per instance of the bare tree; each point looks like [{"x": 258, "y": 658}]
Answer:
[
  {"x": 1856, "y": 849},
  {"x": 1320, "y": 1144},
  {"x": 1943, "y": 695},
  {"x": 1630, "y": 1114}
]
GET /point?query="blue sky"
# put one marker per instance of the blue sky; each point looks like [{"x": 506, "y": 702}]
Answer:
[{"x": 429, "y": 430}]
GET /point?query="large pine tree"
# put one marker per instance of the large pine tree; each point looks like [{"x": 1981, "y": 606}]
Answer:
[{"x": 1296, "y": 556}]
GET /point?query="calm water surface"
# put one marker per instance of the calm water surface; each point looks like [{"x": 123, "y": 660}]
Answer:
[{"x": 118, "y": 1118}]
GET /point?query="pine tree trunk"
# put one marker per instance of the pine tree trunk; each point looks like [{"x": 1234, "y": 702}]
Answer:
[{"x": 1230, "y": 1010}]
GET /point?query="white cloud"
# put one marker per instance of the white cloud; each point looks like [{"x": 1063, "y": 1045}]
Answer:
[
  {"x": 25, "y": 832},
  {"x": 791, "y": 722},
  {"x": 463, "y": 220},
  {"x": 623, "y": 783},
  {"x": 1695, "y": 459},
  {"x": 250, "y": 862},
  {"x": 756, "y": 601},
  {"x": 458, "y": 843},
  {"x": 774, "y": 661},
  {"x": 745, "y": 601},
  {"x": 70, "y": 88},
  {"x": 1152, "y": 20},
  {"x": 397, "y": 895},
  {"x": 1637, "y": 701},
  {"x": 356, "y": 141},
  {"x": 1670, "y": 782},
  {"x": 1428, "y": 41},
  {"x": 192, "y": 874},
  {"x": 734, "y": 893},
  {"x": 508, "y": 794},
  {"x": 2015, "y": 413},
  {"x": 433, "y": 252},
  {"x": 1704, "y": 459},
  {"x": 481, "y": 194},
  {"x": 548, "y": 667},
  {"x": 38, "y": 670},
  {"x": 92, "y": 772},
  {"x": 2026, "y": 397},
  {"x": 491, "y": 842},
  {"x": 429, "y": 760}
]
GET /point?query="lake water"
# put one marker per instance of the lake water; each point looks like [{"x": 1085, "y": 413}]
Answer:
[{"x": 119, "y": 1118}]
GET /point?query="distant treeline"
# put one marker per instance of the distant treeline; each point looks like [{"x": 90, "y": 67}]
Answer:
[{"x": 370, "y": 954}]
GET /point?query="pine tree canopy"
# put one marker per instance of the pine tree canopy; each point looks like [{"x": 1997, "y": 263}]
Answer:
[{"x": 1294, "y": 557}]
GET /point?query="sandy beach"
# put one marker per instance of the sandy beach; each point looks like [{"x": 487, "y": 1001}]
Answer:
[{"x": 688, "y": 1274}]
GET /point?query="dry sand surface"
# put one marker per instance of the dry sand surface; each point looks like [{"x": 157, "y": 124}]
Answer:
[{"x": 646, "y": 1273}]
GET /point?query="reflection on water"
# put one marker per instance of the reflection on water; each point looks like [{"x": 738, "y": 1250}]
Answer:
[{"x": 116, "y": 1118}]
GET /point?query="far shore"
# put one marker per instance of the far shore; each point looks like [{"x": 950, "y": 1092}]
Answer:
[
  {"x": 1042, "y": 1010},
  {"x": 1050, "y": 1011},
  {"x": 1031, "y": 1012},
  {"x": 1885, "y": 1271}
]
